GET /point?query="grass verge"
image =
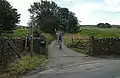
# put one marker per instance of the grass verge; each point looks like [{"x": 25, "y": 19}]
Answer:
[
  {"x": 27, "y": 63},
  {"x": 80, "y": 51}
]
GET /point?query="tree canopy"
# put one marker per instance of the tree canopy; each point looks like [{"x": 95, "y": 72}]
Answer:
[
  {"x": 104, "y": 25},
  {"x": 47, "y": 16},
  {"x": 8, "y": 16}
]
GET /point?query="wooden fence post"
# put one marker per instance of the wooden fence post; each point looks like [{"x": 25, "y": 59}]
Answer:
[
  {"x": 72, "y": 41},
  {"x": 26, "y": 44},
  {"x": 91, "y": 45}
]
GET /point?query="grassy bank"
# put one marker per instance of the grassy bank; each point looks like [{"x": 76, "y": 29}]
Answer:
[{"x": 27, "y": 63}]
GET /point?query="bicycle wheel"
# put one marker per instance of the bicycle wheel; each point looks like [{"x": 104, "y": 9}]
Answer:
[{"x": 60, "y": 46}]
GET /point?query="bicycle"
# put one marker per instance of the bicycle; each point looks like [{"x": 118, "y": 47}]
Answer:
[{"x": 60, "y": 44}]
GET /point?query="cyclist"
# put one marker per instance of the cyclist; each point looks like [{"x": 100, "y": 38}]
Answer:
[{"x": 59, "y": 39}]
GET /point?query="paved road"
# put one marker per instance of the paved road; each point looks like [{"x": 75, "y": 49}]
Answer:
[
  {"x": 66, "y": 63},
  {"x": 65, "y": 56}
]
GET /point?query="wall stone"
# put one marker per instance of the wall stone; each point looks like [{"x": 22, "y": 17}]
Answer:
[
  {"x": 106, "y": 46},
  {"x": 7, "y": 53}
]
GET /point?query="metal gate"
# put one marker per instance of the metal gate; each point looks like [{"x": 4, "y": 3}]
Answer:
[{"x": 82, "y": 45}]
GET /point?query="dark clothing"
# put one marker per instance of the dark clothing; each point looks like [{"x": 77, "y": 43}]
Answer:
[
  {"x": 43, "y": 42},
  {"x": 60, "y": 38}
]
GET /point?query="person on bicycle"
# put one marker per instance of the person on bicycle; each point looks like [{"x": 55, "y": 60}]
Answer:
[{"x": 59, "y": 37}]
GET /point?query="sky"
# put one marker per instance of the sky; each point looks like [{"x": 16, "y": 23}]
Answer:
[{"x": 89, "y": 12}]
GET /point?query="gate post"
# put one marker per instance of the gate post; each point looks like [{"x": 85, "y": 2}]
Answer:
[
  {"x": 92, "y": 45},
  {"x": 72, "y": 42}
]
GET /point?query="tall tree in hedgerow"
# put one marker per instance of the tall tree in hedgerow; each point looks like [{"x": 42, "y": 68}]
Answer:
[
  {"x": 49, "y": 16},
  {"x": 8, "y": 16},
  {"x": 44, "y": 13},
  {"x": 73, "y": 26}
]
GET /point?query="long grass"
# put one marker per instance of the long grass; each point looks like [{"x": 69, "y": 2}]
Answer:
[
  {"x": 27, "y": 63},
  {"x": 49, "y": 38},
  {"x": 68, "y": 37}
]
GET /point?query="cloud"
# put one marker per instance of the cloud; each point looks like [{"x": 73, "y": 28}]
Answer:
[
  {"x": 22, "y": 6},
  {"x": 112, "y": 2},
  {"x": 112, "y": 5},
  {"x": 87, "y": 11},
  {"x": 95, "y": 12}
]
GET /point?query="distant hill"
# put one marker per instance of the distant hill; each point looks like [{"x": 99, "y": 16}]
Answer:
[
  {"x": 21, "y": 26},
  {"x": 96, "y": 25},
  {"x": 87, "y": 25},
  {"x": 116, "y": 25}
]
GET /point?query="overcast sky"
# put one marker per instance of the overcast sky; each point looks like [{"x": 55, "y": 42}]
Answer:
[{"x": 87, "y": 11}]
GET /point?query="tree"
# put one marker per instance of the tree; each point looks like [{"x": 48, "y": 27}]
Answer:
[
  {"x": 43, "y": 13},
  {"x": 8, "y": 16},
  {"x": 73, "y": 23},
  {"x": 107, "y": 25},
  {"x": 63, "y": 12},
  {"x": 48, "y": 16},
  {"x": 68, "y": 20},
  {"x": 50, "y": 24},
  {"x": 102, "y": 25}
]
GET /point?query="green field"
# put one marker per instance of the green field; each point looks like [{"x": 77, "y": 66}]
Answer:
[
  {"x": 19, "y": 33},
  {"x": 86, "y": 32},
  {"x": 100, "y": 32}
]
